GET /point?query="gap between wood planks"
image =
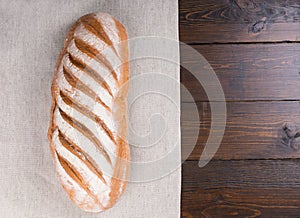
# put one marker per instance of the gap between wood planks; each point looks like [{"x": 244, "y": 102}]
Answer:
[
  {"x": 243, "y": 43},
  {"x": 246, "y": 100}
]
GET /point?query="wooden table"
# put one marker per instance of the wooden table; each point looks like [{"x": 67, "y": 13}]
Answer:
[{"x": 253, "y": 46}]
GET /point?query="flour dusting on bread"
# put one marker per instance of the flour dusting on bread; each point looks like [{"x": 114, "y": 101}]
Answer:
[{"x": 88, "y": 129}]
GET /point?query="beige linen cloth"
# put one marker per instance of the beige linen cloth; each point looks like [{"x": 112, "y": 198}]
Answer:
[{"x": 32, "y": 34}]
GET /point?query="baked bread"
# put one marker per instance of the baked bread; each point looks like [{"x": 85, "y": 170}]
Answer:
[{"x": 88, "y": 129}]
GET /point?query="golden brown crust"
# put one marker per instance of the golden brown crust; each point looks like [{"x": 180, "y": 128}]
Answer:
[{"x": 121, "y": 165}]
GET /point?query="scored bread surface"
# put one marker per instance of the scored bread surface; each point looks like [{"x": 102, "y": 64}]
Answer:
[{"x": 88, "y": 129}]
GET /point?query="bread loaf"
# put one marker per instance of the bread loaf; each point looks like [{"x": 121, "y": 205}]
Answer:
[{"x": 88, "y": 129}]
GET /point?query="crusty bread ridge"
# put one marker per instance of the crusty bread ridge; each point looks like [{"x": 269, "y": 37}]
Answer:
[{"x": 88, "y": 129}]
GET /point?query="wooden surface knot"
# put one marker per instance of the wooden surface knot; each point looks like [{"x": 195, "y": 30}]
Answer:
[
  {"x": 258, "y": 26},
  {"x": 290, "y": 136}
]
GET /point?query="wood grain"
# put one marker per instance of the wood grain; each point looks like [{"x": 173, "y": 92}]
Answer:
[
  {"x": 253, "y": 47},
  {"x": 254, "y": 130},
  {"x": 227, "y": 21},
  {"x": 260, "y": 188},
  {"x": 247, "y": 72}
]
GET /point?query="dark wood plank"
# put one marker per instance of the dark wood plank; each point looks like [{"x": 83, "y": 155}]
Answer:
[
  {"x": 260, "y": 188},
  {"x": 254, "y": 130},
  {"x": 239, "y": 21},
  {"x": 247, "y": 72}
]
